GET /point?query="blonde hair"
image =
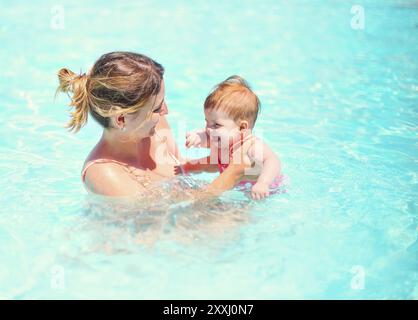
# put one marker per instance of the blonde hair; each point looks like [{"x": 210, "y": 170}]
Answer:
[
  {"x": 119, "y": 82},
  {"x": 235, "y": 97}
]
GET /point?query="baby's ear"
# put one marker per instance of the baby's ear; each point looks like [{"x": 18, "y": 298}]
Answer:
[{"x": 244, "y": 125}]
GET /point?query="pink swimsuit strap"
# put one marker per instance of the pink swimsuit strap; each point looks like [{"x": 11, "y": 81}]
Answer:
[
  {"x": 124, "y": 165},
  {"x": 90, "y": 163}
]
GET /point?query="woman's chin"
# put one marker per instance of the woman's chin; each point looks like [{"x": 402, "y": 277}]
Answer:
[{"x": 151, "y": 132}]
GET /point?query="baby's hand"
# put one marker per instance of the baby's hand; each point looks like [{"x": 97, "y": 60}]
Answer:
[
  {"x": 178, "y": 170},
  {"x": 183, "y": 168},
  {"x": 260, "y": 191},
  {"x": 193, "y": 139}
]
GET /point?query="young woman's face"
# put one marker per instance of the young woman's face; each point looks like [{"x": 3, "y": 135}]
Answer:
[
  {"x": 220, "y": 127},
  {"x": 143, "y": 123}
]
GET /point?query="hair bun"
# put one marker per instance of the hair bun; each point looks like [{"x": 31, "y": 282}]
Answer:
[
  {"x": 77, "y": 85},
  {"x": 70, "y": 81}
]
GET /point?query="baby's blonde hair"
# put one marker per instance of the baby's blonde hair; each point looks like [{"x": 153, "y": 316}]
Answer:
[
  {"x": 235, "y": 97},
  {"x": 119, "y": 82}
]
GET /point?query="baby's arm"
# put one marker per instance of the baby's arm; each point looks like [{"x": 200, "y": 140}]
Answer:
[
  {"x": 267, "y": 166},
  {"x": 197, "y": 166}
]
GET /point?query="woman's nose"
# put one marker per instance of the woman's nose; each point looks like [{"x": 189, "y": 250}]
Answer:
[{"x": 164, "y": 109}]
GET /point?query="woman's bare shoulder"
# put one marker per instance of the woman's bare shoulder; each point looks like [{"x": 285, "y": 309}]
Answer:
[{"x": 112, "y": 179}]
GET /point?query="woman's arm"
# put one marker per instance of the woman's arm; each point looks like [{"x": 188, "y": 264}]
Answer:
[
  {"x": 200, "y": 165},
  {"x": 227, "y": 179},
  {"x": 109, "y": 179},
  {"x": 234, "y": 173}
]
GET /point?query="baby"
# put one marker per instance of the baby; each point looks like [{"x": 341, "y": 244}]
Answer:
[{"x": 231, "y": 110}]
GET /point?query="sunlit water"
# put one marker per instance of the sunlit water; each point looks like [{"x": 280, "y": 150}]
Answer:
[{"x": 339, "y": 106}]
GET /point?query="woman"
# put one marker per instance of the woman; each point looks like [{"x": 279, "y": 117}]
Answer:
[{"x": 124, "y": 92}]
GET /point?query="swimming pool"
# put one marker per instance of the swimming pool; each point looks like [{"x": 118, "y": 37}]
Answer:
[{"x": 339, "y": 106}]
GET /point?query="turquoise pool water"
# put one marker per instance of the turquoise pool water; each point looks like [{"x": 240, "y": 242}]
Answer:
[{"x": 339, "y": 106}]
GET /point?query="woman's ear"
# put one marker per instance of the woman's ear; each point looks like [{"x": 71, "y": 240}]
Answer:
[
  {"x": 120, "y": 121},
  {"x": 243, "y": 125}
]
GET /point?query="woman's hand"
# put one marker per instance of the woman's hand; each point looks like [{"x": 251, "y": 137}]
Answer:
[{"x": 235, "y": 171}]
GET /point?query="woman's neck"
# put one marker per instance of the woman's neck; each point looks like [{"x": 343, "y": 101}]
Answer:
[{"x": 121, "y": 146}]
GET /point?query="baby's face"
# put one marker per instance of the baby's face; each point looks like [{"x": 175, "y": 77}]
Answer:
[{"x": 220, "y": 127}]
